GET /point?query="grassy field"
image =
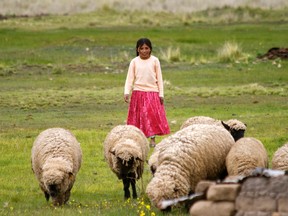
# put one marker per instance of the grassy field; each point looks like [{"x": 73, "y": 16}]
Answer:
[{"x": 69, "y": 71}]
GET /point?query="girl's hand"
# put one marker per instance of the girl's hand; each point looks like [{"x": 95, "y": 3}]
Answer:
[
  {"x": 162, "y": 100},
  {"x": 126, "y": 98}
]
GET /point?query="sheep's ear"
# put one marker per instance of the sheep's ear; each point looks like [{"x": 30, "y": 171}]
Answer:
[
  {"x": 112, "y": 152},
  {"x": 225, "y": 126}
]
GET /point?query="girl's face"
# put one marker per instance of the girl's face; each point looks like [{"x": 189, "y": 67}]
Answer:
[{"x": 144, "y": 51}]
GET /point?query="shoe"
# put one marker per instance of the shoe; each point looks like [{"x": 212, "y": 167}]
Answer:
[{"x": 152, "y": 145}]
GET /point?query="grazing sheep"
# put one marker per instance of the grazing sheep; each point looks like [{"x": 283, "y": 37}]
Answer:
[
  {"x": 245, "y": 155},
  {"x": 125, "y": 150},
  {"x": 56, "y": 159},
  {"x": 200, "y": 120},
  {"x": 280, "y": 158},
  {"x": 194, "y": 153},
  {"x": 234, "y": 126}
]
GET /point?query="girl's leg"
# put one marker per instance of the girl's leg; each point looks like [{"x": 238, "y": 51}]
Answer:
[{"x": 152, "y": 141}]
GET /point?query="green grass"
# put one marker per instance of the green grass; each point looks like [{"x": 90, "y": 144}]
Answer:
[{"x": 69, "y": 71}]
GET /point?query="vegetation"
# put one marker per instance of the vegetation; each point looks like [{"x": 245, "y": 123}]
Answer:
[{"x": 69, "y": 71}]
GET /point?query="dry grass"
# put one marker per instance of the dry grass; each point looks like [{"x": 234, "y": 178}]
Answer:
[{"x": 231, "y": 52}]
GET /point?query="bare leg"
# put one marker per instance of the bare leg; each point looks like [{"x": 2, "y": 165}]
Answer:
[{"x": 152, "y": 141}]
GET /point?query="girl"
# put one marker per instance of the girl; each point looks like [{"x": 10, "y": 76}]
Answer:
[{"x": 144, "y": 78}]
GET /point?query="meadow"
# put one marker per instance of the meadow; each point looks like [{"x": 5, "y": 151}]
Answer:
[{"x": 69, "y": 71}]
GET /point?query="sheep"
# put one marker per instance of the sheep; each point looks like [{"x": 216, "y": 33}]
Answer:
[
  {"x": 56, "y": 158},
  {"x": 280, "y": 158},
  {"x": 234, "y": 126},
  {"x": 245, "y": 155},
  {"x": 200, "y": 120},
  {"x": 125, "y": 150},
  {"x": 194, "y": 153}
]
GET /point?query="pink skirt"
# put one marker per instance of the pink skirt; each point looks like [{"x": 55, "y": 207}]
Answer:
[{"x": 147, "y": 113}]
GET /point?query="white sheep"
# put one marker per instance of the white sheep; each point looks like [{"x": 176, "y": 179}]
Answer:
[
  {"x": 200, "y": 120},
  {"x": 56, "y": 158},
  {"x": 280, "y": 158},
  {"x": 234, "y": 126},
  {"x": 245, "y": 155},
  {"x": 194, "y": 153},
  {"x": 125, "y": 150}
]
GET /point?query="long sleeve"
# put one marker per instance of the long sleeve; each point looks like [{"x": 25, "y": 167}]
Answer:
[
  {"x": 144, "y": 75},
  {"x": 130, "y": 78},
  {"x": 159, "y": 78}
]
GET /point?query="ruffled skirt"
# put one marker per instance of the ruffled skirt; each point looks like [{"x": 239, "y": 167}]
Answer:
[{"x": 147, "y": 113}]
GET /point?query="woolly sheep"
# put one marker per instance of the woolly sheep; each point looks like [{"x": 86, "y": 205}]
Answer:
[
  {"x": 125, "y": 150},
  {"x": 194, "y": 153},
  {"x": 280, "y": 158},
  {"x": 234, "y": 126},
  {"x": 56, "y": 159},
  {"x": 245, "y": 155},
  {"x": 200, "y": 120}
]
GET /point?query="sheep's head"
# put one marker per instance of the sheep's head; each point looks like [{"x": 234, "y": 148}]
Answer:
[
  {"x": 158, "y": 190},
  {"x": 236, "y": 128},
  {"x": 58, "y": 181},
  {"x": 125, "y": 163},
  {"x": 164, "y": 188}
]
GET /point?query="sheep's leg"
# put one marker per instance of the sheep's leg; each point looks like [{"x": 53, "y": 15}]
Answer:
[
  {"x": 133, "y": 185},
  {"x": 47, "y": 196},
  {"x": 126, "y": 184},
  {"x": 132, "y": 179}
]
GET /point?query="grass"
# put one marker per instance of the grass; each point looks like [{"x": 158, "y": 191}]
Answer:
[{"x": 55, "y": 74}]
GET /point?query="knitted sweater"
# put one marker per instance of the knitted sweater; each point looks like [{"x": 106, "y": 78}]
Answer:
[{"x": 144, "y": 75}]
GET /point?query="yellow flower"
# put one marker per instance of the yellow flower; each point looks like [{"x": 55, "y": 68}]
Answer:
[
  {"x": 148, "y": 207},
  {"x": 153, "y": 214}
]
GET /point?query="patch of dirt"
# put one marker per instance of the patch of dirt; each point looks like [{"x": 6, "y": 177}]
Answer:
[{"x": 275, "y": 53}]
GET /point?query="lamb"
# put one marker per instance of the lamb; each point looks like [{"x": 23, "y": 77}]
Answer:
[
  {"x": 245, "y": 156},
  {"x": 125, "y": 150},
  {"x": 234, "y": 126},
  {"x": 280, "y": 158},
  {"x": 56, "y": 158},
  {"x": 194, "y": 153}
]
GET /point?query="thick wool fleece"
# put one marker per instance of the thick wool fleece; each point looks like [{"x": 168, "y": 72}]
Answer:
[
  {"x": 56, "y": 159},
  {"x": 245, "y": 155},
  {"x": 194, "y": 153},
  {"x": 128, "y": 143},
  {"x": 280, "y": 158},
  {"x": 200, "y": 120}
]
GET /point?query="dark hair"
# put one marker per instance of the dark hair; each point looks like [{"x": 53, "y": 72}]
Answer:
[{"x": 141, "y": 42}]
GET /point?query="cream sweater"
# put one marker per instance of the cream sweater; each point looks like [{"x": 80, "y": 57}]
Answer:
[{"x": 144, "y": 75}]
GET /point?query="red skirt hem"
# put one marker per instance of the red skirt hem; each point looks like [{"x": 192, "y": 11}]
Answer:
[{"x": 147, "y": 113}]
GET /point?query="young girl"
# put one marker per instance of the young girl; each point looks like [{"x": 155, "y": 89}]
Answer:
[{"x": 146, "y": 109}]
